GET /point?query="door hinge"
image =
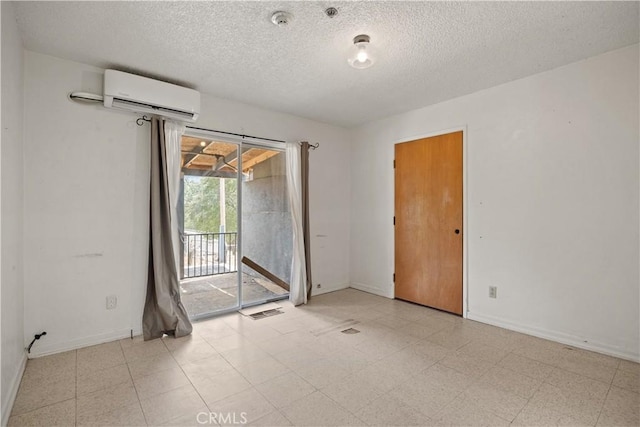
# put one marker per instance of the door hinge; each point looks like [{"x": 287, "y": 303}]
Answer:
[
  {"x": 394, "y": 277},
  {"x": 394, "y": 164},
  {"x": 394, "y": 220}
]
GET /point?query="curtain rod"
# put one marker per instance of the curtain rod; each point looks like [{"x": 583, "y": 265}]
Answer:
[
  {"x": 235, "y": 134},
  {"x": 140, "y": 121}
]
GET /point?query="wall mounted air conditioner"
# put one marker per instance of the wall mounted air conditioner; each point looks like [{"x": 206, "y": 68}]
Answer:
[{"x": 143, "y": 95}]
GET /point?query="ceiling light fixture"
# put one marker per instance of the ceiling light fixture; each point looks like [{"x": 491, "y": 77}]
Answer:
[{"x": 361, "y": 55}]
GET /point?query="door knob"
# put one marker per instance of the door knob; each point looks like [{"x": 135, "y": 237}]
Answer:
[{"x": 457, "y": 231}]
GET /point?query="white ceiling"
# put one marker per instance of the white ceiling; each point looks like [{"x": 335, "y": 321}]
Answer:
[{"x": 427, "y": 51}]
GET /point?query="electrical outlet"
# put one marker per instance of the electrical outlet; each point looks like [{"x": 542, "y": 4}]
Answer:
[
  {"x": 112, "y": 302},
  {"x": 493, "y": 292},
  {"x": 318, "y": 286}
]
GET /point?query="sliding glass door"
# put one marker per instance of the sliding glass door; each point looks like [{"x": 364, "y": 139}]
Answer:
[
  {"x": 209, "y": 261},
  {"x": 236, "y": 226},
  {"x": 267, "y": 238}
]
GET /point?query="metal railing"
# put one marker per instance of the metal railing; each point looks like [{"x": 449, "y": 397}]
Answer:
[{"x": 207, "y": 254}]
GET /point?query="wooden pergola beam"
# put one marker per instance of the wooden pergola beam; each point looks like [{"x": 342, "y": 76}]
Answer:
[{"x": 266, "y": 273}]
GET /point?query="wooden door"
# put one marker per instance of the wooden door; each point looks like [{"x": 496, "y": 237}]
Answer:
[{"x": 428, "y": 222}]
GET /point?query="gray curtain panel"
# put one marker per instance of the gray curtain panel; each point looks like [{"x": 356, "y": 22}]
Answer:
[
  {"x": 163, "y": 310},
  {"x": 304, "y": 171}
]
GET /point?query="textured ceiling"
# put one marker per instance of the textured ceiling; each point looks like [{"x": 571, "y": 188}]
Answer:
[{"x": 427, "y": 52}]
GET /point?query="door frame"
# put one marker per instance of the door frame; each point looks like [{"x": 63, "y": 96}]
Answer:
[
  {"x": 465, "y": 204},
  {"x": 240, "y": 141}
]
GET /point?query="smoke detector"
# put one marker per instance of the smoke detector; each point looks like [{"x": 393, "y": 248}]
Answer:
[{"x": 281, "y": 19}]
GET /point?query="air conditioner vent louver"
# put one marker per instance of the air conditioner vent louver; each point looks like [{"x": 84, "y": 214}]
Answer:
[
  {"x": 143, "y": 95},
  {"x": 143, "y": 108}
]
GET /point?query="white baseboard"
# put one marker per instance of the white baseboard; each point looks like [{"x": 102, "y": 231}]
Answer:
[
  {"x": 560, "y": 337},
  {"x": 10, "y": 397},
  {"x": 373, "y": 290},
  {"x": 44, "y": 350},
  {"x": 328, "y": 288}
]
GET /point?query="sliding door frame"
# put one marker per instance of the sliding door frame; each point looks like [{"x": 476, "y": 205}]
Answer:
[{"x": 241, "y": 142}]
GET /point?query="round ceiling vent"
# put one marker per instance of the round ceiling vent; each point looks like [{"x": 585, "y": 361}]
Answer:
[
  {"x": 281, "y": 19},
  {"x": 331, "y": 12}
]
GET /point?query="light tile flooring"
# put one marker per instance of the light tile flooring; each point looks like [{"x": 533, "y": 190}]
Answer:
[{"x": 409, "y": 365}]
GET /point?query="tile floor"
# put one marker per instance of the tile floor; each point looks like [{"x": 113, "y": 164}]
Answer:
[{"x": 409, "y": 365}]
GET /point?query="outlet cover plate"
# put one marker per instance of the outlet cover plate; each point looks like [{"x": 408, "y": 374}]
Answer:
[
  {"x": 493, "y": 292},
  {"x": 112, "y": 302}
]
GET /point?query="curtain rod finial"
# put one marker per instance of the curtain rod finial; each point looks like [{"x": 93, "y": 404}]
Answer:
[
  {"x": 311, "y": 146},
  {"x": 140, "y": 120}
]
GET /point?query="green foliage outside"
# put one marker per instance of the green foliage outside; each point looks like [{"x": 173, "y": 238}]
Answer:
[{"x": 202, "y": 204}]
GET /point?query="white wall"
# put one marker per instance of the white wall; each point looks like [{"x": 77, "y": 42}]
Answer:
[
  {"x": 86, "y": 190},
  {"x": 86, "y": 202},
  {"x": 11, "y": 169},
  {"x": 552, "y": 181}
]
